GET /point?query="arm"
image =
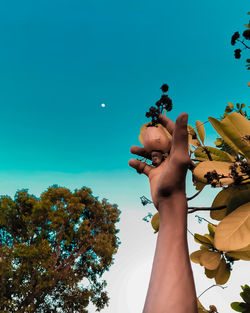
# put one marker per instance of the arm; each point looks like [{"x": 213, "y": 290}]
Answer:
[{"x": 171, "y": 287}]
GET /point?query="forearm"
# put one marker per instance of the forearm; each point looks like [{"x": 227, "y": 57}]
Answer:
[{"x": 171, "y": 287}]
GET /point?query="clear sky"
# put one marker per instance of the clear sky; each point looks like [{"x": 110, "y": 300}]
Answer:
[{"x": 60, "y": 60}]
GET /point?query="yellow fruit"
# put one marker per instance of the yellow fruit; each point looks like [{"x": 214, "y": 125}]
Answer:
[{"x": 155, "y": 138}]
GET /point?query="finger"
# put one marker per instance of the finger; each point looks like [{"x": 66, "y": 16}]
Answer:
[
  {"x": 141, "y": 167},
  {"x": 167, "y": 123},
  {"x": 180, "y": 136},
  {"x": 140, "y": 151}
]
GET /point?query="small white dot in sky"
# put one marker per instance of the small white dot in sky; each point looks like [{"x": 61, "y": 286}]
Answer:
[{"x": 103, "y": 105}]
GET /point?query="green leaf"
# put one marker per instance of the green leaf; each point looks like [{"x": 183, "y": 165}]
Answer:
[
  {"x": 240, "y": 255},
  {"x": 155, "y": 222},
  {"x": 238, "y": 198},
  {"x": 200, "y": 130},
  {"x": 232, "y": 129},
  {"x": 236, "y": 306},
  {"x": 245, "y": 295},
  {"x": 205, "y": 247},
  {"x": 202, "y": 240},
  {"x": 217, "y": 125},
  {"x": 211, "y": 238},
  {"x": 208, "y": 166},
  {"x": 210, "y": 260},
  {"x": 223, "y": 273},
  {"x": 211, "y": 229},
  {"x": 246, "y": 307},
  {"x": 218, "y": 142},
  {"x": 226, "y": 196},
  {"x": 211, "y": 273},
  {"x": 216, "y": 154},
  {"x": 221, "y": 199},
  {"x": 245, "y": 287},
  {"x": 192, "y": 137},
  {"x": 195, "y": 256},
  {"x": 233, "y": 232}
]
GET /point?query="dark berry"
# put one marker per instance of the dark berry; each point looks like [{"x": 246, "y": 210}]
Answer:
[
  {"x": 164, "y": 88},
  {"x": 168, "y": 107},
  {"x": 246, "y": 34},
  {"x": 235, "y": 36},
  {"x": 237, "y": 54},
  {"x": 164, "y": 99},
  {"x": 158, "y": 103}
]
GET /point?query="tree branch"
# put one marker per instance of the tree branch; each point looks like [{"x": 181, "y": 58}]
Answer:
[
  {"x": 71, "y": 257},
  {"x": 207, "y": 153},
  {"x": 194, "y": 209},
  {"x": 195, "y": 195},
  {"x": 57, "y": 248},
  {"x": 243, "y": 43}
]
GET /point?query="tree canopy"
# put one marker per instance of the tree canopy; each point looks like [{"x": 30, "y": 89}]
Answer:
[{"x": 49, "y": 244}]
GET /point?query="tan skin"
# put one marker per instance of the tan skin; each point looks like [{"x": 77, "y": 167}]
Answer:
[{"x": 171, "y": 288}]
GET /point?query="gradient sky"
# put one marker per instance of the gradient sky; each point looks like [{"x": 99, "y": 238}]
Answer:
[{"x": 60, "y": 60}]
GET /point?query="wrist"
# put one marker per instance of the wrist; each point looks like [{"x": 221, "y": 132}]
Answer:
[{"x": 174, "y": 204}]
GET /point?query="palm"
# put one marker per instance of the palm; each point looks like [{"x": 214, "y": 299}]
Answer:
[{"x": 169, "y": 176}]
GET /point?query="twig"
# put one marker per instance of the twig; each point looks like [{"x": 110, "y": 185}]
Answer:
[
  {"x": 190, "y": 232},
  {"x": 207, "y": 153},
  {"x": 199, "y": 217},
  {"x": 243, "y": 43},
  {"x": 201, "y": 124},
  {"x": 212, "y": 287},
  {"x": 194, "y": 209},
  {"x": 195, "y": 195}
]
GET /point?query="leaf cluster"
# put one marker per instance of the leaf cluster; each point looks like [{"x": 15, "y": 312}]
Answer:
[
  {"x": 240, "y": 38},
  {"x": 229, "y": 165},
  {"x": 164, "y": 103},
  {"x": 229, "y": 240},
  {"x": 217, "y": 264}
]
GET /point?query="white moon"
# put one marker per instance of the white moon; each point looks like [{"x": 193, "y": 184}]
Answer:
[{"x": 103, "y": 105}]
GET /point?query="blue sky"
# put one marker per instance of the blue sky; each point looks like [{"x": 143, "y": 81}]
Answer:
[{"x": 60, "y": 60}]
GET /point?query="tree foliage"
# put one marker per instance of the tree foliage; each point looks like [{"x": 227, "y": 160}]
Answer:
[
  {"x": 226, "y": 166},
  {"x": 49, "y": 244}
]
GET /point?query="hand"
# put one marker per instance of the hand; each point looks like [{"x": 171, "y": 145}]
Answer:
[{"x": 169, "y": 177}]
